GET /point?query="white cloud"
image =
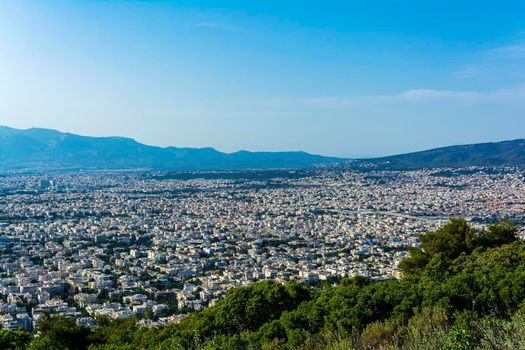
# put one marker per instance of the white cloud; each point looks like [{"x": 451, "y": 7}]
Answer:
[
  {"x": 510, "y": 96},
  {"x": 417, "y": 95},
  {"x": 514, "y": 96}
]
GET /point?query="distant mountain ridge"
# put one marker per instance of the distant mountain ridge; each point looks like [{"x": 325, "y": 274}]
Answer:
[
  {"x": 511, "y": 153},
  {"x": 45, "y": 149}
]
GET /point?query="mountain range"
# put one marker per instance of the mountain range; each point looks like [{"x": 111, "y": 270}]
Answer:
[{"x": 46, "y": 149}]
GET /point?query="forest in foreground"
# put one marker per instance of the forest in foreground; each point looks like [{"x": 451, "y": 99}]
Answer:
[{"x": 461, "y": 289}]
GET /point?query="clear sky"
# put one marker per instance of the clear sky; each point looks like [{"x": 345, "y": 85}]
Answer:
[{"x": 344, "y": 78}]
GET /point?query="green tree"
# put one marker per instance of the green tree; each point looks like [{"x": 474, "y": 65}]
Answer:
[
  {"x": 14, "y": 340},
  {"x": 497, "y": 234},
  {"x": 55, "y": 332}
]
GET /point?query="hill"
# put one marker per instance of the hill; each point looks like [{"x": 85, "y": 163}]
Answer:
[
  {"x": 44, "y": 149},
  {"x": 484, "y": 154}
]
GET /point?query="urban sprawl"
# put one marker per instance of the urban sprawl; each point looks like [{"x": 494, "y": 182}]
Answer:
[{"x": 157, "y": 245}]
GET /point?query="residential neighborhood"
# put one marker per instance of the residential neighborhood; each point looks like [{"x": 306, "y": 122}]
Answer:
[{"x": 159, "y": 245}]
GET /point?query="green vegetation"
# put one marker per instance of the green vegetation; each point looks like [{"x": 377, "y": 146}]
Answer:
[
  {"x": 14, "y": 340},
  {"x": 462, "y": 289}
]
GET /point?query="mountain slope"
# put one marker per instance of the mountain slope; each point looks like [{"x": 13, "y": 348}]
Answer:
[
  {"x": 483, "y": 154},
  {"x": 51, "y": 149}
]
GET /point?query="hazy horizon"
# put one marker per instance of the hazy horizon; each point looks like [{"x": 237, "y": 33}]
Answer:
[
  {"x": 242, "y": 149},
  {"x": 345, "y": 79}
]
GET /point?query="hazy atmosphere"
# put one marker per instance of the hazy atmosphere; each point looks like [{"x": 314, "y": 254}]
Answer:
[{"x": 340, "y": 78}]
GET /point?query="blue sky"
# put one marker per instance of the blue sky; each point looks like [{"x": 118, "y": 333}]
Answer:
[{"x": 344, "y": 78}]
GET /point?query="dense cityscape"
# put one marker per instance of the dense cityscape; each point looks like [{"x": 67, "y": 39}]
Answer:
[{"x": 159, "y": 245}]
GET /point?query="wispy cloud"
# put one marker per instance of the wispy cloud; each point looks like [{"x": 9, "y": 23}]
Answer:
[
  {"x": 468, "y": 72},
  {"x": 514, "y": 96},
  {"x": 215, "y": 25},
  {"x": 509, "y": 96},
  {"x": 421, "y": 95},
  {"x": 511, "y": 51},
  {"x": 329, "y": 102},
  {"x": 505, "y": 59}
]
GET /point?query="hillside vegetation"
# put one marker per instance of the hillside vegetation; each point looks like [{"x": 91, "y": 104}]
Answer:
[{"x": 462, "y": 289}]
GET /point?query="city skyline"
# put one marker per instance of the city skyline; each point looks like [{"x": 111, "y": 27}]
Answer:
[{"x": 344, "y": 79}]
